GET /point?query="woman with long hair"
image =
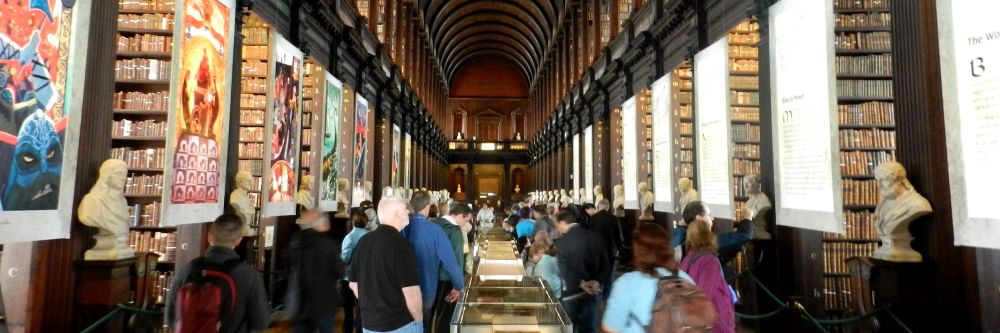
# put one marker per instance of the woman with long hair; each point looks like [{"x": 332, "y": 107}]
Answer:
[
  {"x": 702, "y": 263},
  {"x": 542, "y": 263},
  {"x": 630, "y": 306}
]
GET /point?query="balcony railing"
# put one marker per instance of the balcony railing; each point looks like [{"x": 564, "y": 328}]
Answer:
[{"x": 460, "y": 145}]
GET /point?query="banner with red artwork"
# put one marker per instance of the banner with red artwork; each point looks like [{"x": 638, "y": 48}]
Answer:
[
  {"x": 284, "y": 111},
  {"x": 197, "y": 135}
]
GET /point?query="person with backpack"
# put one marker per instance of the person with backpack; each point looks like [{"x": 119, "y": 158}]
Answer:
[
  {"x": 218, "y": 292},
  {"x": 703, "y": 265},
  {"x": 647, "y": 299},
  {"x": 316, "y": 268}
]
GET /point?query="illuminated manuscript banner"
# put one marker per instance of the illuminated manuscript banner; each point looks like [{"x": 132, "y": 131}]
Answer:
[
  {"x": 360, "y": 150},
  {"x": 407, "y": 159},
  {"x": 196, "y": 139},
  {"x": 39, "y": 138},
  {"x": 396, "y": 155},
  {"x": 282, "y": 134},
  {"x": 331, "y": 136}
]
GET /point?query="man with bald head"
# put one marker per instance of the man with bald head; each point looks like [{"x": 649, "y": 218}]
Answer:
[{"x": 387, "y": 285}]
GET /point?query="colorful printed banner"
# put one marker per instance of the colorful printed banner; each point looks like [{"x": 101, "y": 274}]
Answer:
[
  {"x": 360, "y": 150},
  {"x": 407, "y": 159},
  {"x": 196, "y": 139},
  {"x": 396, "y": 145},
  {"x": 39, "y": 137},
  {"x": 331, "y": 136},
  {"x": 283, "y": 127}
]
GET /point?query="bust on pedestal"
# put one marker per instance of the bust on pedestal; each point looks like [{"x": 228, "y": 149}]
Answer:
[
  {"x": 646, "y": 199},
  {"x": 757, "y": 206},
  {"x": 582, "y": 195},
  {"x": 368, "y": 190},
  {"x": 619, "y": 203},
  {"x": 900, "y": 205},
  {"x": 305, "y": 198},
  {"x": 598, "y": 193},
  {"x": 688, "y": 194},
  {"x": 342, "y": 201},
  {"x": 105, "y": 208},
  {"x": 240, "y": 201}
]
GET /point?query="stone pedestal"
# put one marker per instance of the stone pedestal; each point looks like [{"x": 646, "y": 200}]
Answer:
[
  {"x": 907, "y": 286},
  {"x": 896, "y": 247},
  {"x": 100, "y": 286}
]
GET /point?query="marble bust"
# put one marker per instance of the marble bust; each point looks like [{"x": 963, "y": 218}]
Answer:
[
  {"x": 564, "y": 196},
  {"x": 646, "y": 199},
  {"x": 573, "y": 197},
  {"x": 387, "y": 191},
  {"x": 757, "y": 206},
  {"x": 688, "y": 194},
  {"x": 582, "y": 195},
  {"x": 305, "y": 197},
  {"x": 598, "y": 193},
  {"x": 368, "y": 190},
  {"x": 105, "y": 208},
  {"x": 619, "y": 203},
  {"x": 342, "y": 199},
  {"x": 900, "y": 205},
  {"x": 240, "y": 201}
]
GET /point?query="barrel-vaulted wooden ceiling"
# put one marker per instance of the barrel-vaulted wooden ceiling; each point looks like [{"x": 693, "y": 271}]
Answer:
[{"x": 519, "y": 31}]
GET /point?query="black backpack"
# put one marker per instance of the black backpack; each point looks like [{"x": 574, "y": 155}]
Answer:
[{"x": 207, "y": 296}]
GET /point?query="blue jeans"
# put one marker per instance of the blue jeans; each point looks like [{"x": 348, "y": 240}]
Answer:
[
  {"x": 414, "y": 327},
  {"x": 322, "y": 325},
  {"x": 582, "y": 312},
  {"x": 428, "y": 307}
]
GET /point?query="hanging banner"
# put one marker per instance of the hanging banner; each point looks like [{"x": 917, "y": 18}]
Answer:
[
  {"x": 283, "y": 127},
  {"x": 662, "y": 147},
  {"x": 407, "y": 159},
  {"x": 360, "y": 150},
  {"x": 43, "y": 69},
  {"x": 588, "y": 162},
  {"x": 196, "y": 138},
  {"x": 397, "y": 144},
  {"x": 630, "y": 167},
  {"x": 970, "y": 78},
  {"x": 331, "y": 136},
  {"x": 807, "y": 189},
  {"x": 711, "y": 86}
]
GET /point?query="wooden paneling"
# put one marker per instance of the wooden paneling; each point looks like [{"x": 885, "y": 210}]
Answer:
[{"x": 489, "y": 77}]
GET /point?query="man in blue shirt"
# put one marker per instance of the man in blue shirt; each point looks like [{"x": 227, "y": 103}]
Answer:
[{"x": 434, "y": 251}]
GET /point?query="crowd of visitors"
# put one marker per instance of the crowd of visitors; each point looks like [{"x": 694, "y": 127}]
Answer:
[{"x": 399, "y": 269}]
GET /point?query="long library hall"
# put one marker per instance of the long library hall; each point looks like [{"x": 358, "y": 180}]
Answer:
[{"x": 516, "y": 166}]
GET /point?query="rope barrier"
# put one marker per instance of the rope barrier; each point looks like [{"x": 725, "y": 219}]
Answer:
[{"x": 119, "y": 308}]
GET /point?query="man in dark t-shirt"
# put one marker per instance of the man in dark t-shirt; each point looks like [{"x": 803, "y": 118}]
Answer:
[{"x": 385, "y": 278}]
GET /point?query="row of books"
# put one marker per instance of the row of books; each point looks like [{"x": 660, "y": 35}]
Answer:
[
  {"x": 146, "y": 21},
  {"x": 251, "y": 150},
  {"x": 685, "y": 84},
  {"x": 306, "y": 136},
  {"x": 307, "y": 158},
  {"x": 254, "y": 117},
  {"x": 684, "y": 97},
  {"x": 162, "y": 243},
  {"x": 744, "y": 37},
  {"x": 255, "y": 35},
  {"x": 685, "y": 111},
  {"x": 147, "y": 158},
  {"x": 744, "y": 113},
  {"x": 686, "y": 156},
  {"x": 864, "y": 88},
  {"x": 142, "y": 69},
  {"x": 746, "y": 151},
  {"x": 252, "y": 68},
  {"x": 686, "y": 142},
  {"x": 743, "y": 82},
  {"x": 859, "y": 225},
  {"x": 836, "y": 254},
  {"x": 307, "y": 119},
  {"x": 253, "y": 101},
  {"x": 738, "y": 189},
  {"x": 130, "y": 128},
  {"x": 745, "y": 132},
  {"x": 744, "y": 65},
  {"x": 136, "y": 100},
  {"x": 254, "y": 167},
  {"x": 744, "y": 97},
  {"x": 161, "y": 286},
  {"x": 860, "y": 192},
  {"x": 254, "y": 85},
  {"x": 258, "y": 52},
  {"x": 867, "y": 138},
  {"x": 861, "y": 4},
  {"x": 147, "y": 215},
  {"x": 742, "y": 51},
  {"x": 863, "y": 163},
  {"x": 836, "y": 292},
  {"x": 747, "y": 26},
  {"x": 687, "y": 170},
  {"x": 863, "y": 20},
  {"x": 866, "y": 114},
  {"x": 251, "y": 134},
  {"x": 879, "y": 40},
  {"x": 740, "y": 211},
  {"x": 746, "y": 167},
  {"x": 137, "y": 184},
  {"x": 685, "y": 128},
  {"x": 309, "y": 103},
  {"x": 158, "y": 5},
  {"x": 144, "y": 43},
  {"x": 875, "y": 64}
]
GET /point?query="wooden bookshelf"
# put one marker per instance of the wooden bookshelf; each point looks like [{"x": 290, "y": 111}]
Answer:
[
  {"x": 682, "y": 108},
  {"x": 744, "y": 110},
  {"x": 255, "y": 66}
]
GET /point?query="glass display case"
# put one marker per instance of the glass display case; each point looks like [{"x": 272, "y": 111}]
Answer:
[{"x": 510, "y": 318}]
